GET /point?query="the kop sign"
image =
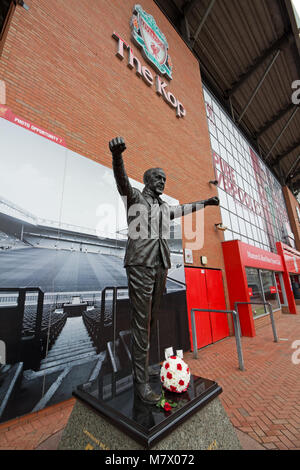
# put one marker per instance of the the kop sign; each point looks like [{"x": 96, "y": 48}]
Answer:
[{"x": 154, "y": 46}]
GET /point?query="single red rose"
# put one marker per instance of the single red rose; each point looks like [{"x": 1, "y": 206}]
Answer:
[
  {"x": 188, "y": 370},
  {"x": 169, "y": 375},
  {"x": 179, "y": 367},
  {"x": 162, "y": 378},
  {"x": 173, "y": 357},
  {"x": 167, "y": 407},
  {"x": 173, "y": 389},
  {"x": 181, "y": 382},
  {"x": 167, "y": 366}
]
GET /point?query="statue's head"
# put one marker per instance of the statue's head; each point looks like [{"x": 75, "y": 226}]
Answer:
[{"x": 155, "y": 179}]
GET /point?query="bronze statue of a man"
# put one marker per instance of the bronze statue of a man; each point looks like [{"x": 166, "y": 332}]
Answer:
[{"x": 147, "y": 257}]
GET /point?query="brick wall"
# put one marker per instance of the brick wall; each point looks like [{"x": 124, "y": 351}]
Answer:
[
  {"x": 291, "y": 204},
  {"x": 62, "y": 74}
]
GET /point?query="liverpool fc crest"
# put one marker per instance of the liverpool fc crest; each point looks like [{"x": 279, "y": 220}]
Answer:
[{"x": 148, "y": 36}]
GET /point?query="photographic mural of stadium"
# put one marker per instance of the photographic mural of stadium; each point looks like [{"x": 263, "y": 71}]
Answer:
[{"x": 64, "y": 308}]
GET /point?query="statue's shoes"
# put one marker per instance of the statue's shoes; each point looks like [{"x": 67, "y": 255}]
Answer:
[
  {"x": 152, "y": 371},
  {"x": 146, "y": 394}
]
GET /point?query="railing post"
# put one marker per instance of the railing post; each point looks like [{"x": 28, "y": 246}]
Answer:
[
  {"x": 271, "y": 314},
  {"x": 194, "y": 335},
  {"x": 21, "y": 298},
  {"x": 39, "y": 315},
  {"x": 114, "y": 319},
  {"x": 273, "y": 323},
  {"x": 237, "y": 331}
]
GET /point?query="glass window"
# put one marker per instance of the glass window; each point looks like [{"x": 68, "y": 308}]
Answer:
[
  {"x": 226, "y": 132},
  {"x": 231, "y": 204},
  {"x": 252, "y": 218},
  {"x": 223, "y": 153},
  {"x": 227, "y": 235},
  {"x": 223, "y": 198},
  {"x": 270, "y": 288},
  {"x": 223, "y": 117},
  {"x": 248, "y": 230},
  {"x": 255, "y": 235},
  {"x": 216, "y": 108},
  {"x": 242, "y": 227},
  {"x": 251, "y": 174},
  {"x": 235, "y": 224},
  {"x": 239, "y": 210},
  {"x": 221, "y": 137},
  {"x": 241, "y": 183},
  {"x": 246, "y": 213},
  {"x": 207, "y": 98},
  {"x": 234, "y": 152},
  {"x": 219, "y": 123},
  {"x": 257, "y": 294},
  {"x": 214, "y": 144},
  {"x": 237, "y": 166},
  {"x": 212, "y": 128},
  {"x": 228, "y": 145},
  {"x": 231, "y": 160},
  {"x": 225, "y": 218}
]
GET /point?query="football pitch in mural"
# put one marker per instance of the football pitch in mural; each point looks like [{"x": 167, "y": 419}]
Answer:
[{"x": 64, "y": 307}]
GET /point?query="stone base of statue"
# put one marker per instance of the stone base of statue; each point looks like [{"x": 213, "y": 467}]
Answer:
[{"x": 109, "y": 416}]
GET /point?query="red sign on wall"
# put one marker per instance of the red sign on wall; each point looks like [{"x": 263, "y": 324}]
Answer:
[
  {"x": 273, "y": 289},
  {"x": 250, "y": 291},
  {"x": 7, "y": 114}
]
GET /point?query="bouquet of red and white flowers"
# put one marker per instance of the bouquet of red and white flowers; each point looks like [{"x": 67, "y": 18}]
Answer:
[{"x": 175, "y": 374}]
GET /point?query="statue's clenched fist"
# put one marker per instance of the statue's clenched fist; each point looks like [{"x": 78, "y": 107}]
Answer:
[
  {"x": 213, "y": 201},
  {"x": 117, "y": 145}
]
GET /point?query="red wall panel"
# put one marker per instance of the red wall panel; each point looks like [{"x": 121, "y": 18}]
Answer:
[
  {"x": 205, "y": 289},
  {"x": 216, "y": 300},
  {"x": 237, "y": 285},
  {"x": 196, "y": 293}
]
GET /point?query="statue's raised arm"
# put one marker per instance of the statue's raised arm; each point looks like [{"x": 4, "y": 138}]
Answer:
[{"x": 117, "y": 147}]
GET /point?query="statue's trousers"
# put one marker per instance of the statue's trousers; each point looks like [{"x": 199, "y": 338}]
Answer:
[{"x": 146, "y": 286}]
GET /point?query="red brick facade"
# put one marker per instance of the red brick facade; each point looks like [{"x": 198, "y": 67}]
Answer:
[{"x": 62, "y": 74}]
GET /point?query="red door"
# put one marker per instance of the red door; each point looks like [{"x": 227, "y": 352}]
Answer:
[
  {"x": 216, "y": 300},
  {"x": 196, "y": 294},
  {"x": 204, "y": 289}
]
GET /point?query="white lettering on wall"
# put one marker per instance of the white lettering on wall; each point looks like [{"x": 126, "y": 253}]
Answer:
[
  {"x": 146, "y": 75},
  {"x": 264, "y": 258}
]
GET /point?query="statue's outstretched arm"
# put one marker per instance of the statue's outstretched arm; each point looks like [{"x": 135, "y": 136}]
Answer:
[{"x": 185, "y": 209}]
